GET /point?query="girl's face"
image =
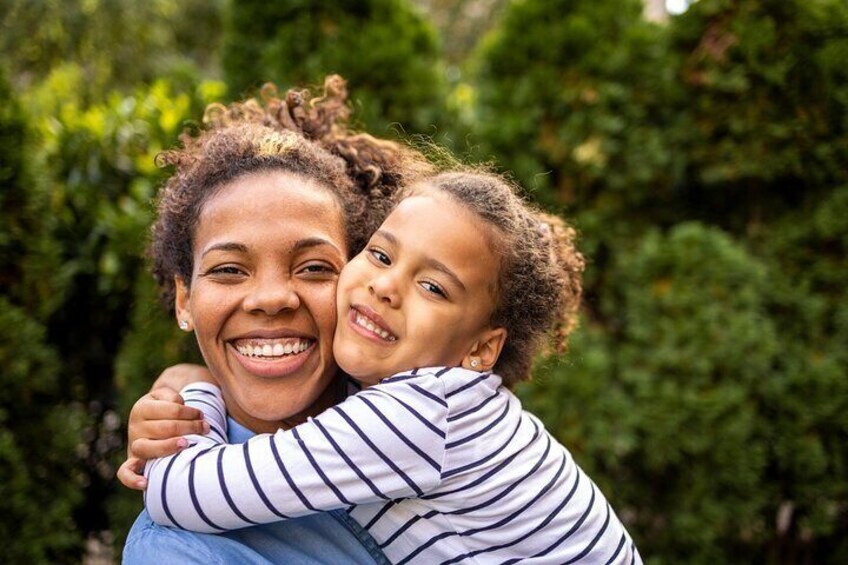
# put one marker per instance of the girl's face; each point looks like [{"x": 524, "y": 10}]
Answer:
[
  {"x": 268, "y": 249},
  {"x": 420, "y": 294}
]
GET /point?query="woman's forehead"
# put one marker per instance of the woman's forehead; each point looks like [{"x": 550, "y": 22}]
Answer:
[{"x": 271, "y": 206}]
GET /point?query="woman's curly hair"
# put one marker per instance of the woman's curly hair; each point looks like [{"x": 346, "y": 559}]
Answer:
[
  {"x": 539, "y": 284},
  {"x": 300, "y": 133}
]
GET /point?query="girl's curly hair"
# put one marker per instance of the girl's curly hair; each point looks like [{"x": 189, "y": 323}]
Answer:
[
  {"x": 539, "y": 284},
  {"x": 300, "y": 133}
]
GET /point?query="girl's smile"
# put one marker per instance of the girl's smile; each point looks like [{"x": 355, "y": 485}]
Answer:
[{"x": 371, "y": 325}]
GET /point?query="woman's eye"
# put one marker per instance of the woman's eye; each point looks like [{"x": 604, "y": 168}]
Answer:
[
  {"x": 433, "y": 288},
  {"x": 225, "y": 270},
  {"x": 380, "y": 256},
  {"x": 318, "y": 268}
]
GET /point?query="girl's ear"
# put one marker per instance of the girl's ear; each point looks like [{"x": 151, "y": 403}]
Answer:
[
  {"x": 485, "y": 352},
  {"x": 181, "y": 305}
]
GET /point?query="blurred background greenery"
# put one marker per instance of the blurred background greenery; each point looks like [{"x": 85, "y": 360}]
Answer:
[{"x": 703, "y": 157}]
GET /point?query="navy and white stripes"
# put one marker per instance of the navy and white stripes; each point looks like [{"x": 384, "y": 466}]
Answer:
[{"x": 439, "y": 465}]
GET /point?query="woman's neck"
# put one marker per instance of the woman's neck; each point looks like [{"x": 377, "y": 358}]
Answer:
[{"x": 332, "y": 395}]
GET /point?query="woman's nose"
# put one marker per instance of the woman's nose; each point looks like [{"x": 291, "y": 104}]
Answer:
[
  {"x": 385, "y": 289},
  {"x": 272, "y": 295}
]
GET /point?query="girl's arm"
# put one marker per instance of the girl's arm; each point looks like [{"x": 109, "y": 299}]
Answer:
[{"x": 383, "y": 443}]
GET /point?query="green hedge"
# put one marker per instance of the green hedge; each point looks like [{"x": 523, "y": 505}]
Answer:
[
  {"x": 704, "y": 163},
  {"x": 384, "y": 48},
  {"x": 40, "y": 429}
]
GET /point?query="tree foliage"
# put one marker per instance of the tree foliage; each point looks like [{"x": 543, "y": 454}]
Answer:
[
  {"x": 40, "y": 431},
  {"x": 384, "y": 48},
  {"x": 116, "y": 43},
  {"x": 76, "y": 229},
  {"x": 704, "y": 163}
]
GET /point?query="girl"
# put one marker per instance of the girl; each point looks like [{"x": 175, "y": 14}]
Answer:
[{"x": 439, "y": 464}]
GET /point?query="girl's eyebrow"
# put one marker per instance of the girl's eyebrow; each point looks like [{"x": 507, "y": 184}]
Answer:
[
  {"x": 387, "y": 235},
  {"x": 441, "y": 267},
  {"x": 428, "y": 261}
]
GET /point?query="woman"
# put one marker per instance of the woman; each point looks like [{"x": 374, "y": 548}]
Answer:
[{"x": 280, "y": 195}]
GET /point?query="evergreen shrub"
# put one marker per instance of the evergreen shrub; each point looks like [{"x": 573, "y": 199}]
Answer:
[{"x": 385, "y": 49}]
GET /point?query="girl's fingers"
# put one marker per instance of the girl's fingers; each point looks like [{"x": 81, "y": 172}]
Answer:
[
  {"x": 171, "y": 429},
  {"x": 153, "y": 448},
  {"x": 129, "y": 473},
  {"x": 156, "y": 431},
  {"x": 149, "y": 407},
  {"x": 162, "y": 419},
  {"x": 167, "y": 394}
]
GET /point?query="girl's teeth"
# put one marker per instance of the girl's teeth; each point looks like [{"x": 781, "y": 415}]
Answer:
[{"x": 365, "y": 323}]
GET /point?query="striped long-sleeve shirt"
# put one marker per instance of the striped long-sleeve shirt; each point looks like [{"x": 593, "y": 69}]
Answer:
[{"x": 440, "y": 465}]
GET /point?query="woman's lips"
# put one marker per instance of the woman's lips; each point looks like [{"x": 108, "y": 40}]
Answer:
[
  {"x": 271, "y": 358},
  {"x": 370, "y": 325}
]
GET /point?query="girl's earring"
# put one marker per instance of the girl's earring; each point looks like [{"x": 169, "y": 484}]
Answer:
[
  {"x": 184, "y": 325},
  {"x": 475, "y": 363}
]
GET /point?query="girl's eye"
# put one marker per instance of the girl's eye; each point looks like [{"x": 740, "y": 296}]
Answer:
[
  {"x": 433, "y": 288},
  {"x": 380, "y": 256}
]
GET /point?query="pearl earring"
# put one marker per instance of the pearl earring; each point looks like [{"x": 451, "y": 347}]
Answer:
[
  {"x": 184, "y": 325},
  {"x": 474, "y": 363}
]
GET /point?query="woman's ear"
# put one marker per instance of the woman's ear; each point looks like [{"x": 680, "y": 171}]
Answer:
[
  {"x": 181, "y": 305},
  {"x": 485, "y": 352}
]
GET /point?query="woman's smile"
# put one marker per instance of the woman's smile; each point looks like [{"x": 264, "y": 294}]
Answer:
[{"x": 265, "y": 355}]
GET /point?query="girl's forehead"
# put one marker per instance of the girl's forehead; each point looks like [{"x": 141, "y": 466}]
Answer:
[
  {"x": 444, "y": 204},
  {"x": 439, "y": 228}
]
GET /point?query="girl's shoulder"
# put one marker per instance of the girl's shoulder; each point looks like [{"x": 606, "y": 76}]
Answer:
[
  {"x": 452, "y": 380},
  {"x": 438, "y": 372}
]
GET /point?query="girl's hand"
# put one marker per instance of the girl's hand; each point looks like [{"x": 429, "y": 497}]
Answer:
[
  {"x": 159, "y": 419},
  {"x": 158, "y": 422}
]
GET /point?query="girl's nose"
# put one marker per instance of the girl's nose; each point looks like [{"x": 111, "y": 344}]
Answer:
[
  {"x": 272, "y": 295},
  {"x": 385, "y": 289}
]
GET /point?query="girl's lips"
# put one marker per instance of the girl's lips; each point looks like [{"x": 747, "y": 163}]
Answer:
[
  {"x": 272, "y": 367},
  {"x": 370, "y": 325}
]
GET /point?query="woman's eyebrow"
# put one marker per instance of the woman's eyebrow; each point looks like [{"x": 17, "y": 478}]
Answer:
[
  {"x": 225, "y": 246},
  {"x": 310, "y": 242}
]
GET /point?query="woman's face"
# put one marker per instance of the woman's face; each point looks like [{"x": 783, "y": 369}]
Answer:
[{"x": 268, "y": 249}]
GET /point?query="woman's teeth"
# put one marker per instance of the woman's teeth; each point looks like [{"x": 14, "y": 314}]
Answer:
[
  {"x": 368, "y": 325},
  {"x": 273, "y": 349}
]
